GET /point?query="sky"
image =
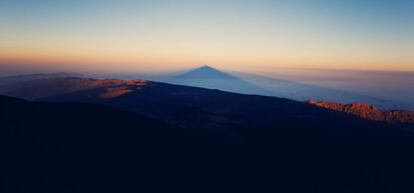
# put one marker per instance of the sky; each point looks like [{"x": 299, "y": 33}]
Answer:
[{"x": 242, "y": 35}]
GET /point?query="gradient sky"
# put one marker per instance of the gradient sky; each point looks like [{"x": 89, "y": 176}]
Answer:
[{"x": 125, "y": 36}]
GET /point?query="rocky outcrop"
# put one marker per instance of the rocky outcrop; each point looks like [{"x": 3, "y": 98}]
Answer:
[
  {"x": 368, "y": 112},
  {"x": 401, "y": 116}
]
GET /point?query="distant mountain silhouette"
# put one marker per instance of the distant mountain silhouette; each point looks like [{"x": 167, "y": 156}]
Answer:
[
  {"x": 41, "y": 88},
  {"x": 30, "y": 77},
  {"x": 369, "y": 112},
  {"x": 208, "y": 77},
  {"x": 11, "y": 83}
]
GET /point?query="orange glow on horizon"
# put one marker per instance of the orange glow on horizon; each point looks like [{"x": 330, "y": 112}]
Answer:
[{"x": 235, "y": 35}]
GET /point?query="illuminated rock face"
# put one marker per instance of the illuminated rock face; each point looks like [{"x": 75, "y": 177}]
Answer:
[{"x": 368, "y": 112}]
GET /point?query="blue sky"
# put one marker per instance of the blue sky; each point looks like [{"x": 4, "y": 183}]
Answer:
[{"x": 137, "y": 35}]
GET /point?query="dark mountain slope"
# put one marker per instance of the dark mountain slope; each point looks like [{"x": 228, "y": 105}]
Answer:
[
  {"x": 285, "y": 146},
  {"x": 93, "y": 148}
]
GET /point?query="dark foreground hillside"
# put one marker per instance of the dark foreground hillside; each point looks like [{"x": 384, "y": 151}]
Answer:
[
  {"x": 71, "y": 147},
  {"x": 87, "y": 148}
]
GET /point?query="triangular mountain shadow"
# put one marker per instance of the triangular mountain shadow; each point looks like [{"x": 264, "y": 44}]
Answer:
[
  {"x": 209, "y": 77},
  {"x": 205, "y": 72}
]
